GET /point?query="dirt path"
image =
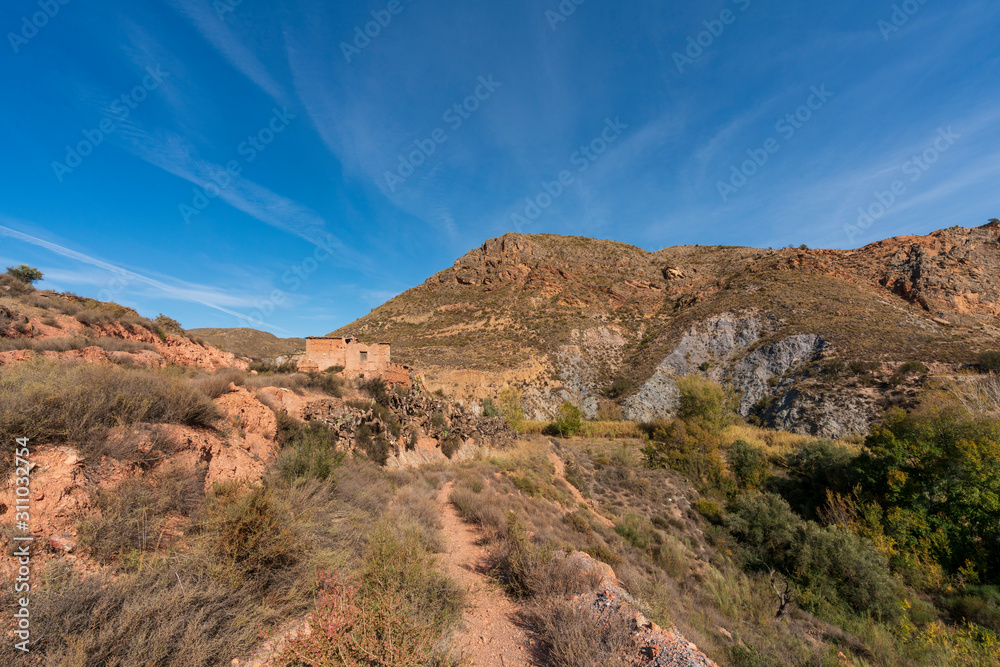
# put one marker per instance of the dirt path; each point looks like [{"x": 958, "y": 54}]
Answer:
[
  {"x": 560, "y": 467},
  {"x": 489, "y": 637}
]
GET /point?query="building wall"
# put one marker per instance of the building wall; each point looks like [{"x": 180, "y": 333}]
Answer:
[{"x": 358, "y": 359}]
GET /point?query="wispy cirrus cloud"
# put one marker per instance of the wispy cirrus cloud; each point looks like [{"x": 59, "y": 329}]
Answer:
[
  {"x": 231, "y": 45},
  {"x": 179, "y": 290},
  {"x": 175, "y": 155}
]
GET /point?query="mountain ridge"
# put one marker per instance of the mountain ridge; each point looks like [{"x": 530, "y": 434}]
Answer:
[{"x": 571, "y": 318}]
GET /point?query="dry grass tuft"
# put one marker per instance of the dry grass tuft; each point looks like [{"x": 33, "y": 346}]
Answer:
[
  {"x": 574, "y": 637},
  {"x": 217, "y": 383},
  {"x": 56, "y": 402}
]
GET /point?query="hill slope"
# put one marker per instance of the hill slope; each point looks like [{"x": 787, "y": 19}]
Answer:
[
  {"x": 251, "y": 342},
  {"x": 570, "y": 318}
]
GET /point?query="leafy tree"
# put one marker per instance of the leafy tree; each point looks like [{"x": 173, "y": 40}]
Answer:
[
  {"x": 569, "y": 421},
  {"x": 690, "y": 449},
  {"x": 664, "y": 439},
  {"x": 510, "y": 405},
  {"x": 748, "y": 465},
  {"x": 822, "y": 467},
  {"x": 937, "y": 478},
  {"x": 25, "y": 273},
  {"x": 704, "y": 403},
  {"x": 831, "y": 567},
  {"x": 994, "y": 221}
]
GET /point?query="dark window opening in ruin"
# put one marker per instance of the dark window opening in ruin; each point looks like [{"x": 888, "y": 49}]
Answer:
[{"x": 364, "y": 356}]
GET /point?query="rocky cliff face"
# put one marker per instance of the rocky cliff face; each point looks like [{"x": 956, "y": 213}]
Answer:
[
  {"x": 584, "y": 320},
  {"x": 720, "y": 347},
  {"x": 950, "y": 273}
]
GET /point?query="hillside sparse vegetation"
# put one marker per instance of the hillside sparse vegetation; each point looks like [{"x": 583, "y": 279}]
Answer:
[{"x": 207, "y": 508}]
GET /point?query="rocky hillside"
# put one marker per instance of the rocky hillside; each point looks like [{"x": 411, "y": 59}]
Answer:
[
  {"x": 814, "y": 340},
  {"x": 251, "y": 343}
]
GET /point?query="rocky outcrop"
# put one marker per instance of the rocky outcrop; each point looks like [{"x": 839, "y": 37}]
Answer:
[
  {"x": 754, "y": 374},
  {"x": 59, "y": 339},
  {"x": 175, "y": 349},
  {"x": 951, "y": 272},
  {"x": 90, "y": 355},
  {"x": 406, "y": 420},
  {"x": 825, "y": 414},
  {"x": 709, "y": 343},
  {"x": 501, "y": 260},
  {"x": 725, "y": 349},
  {"x": 518, "y": 310},
  {"x": 608, "y": 601},
  {"x": 64, "y": 480}
]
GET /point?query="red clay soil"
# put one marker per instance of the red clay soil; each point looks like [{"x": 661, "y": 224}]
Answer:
[{"x": 490, "y": 635}]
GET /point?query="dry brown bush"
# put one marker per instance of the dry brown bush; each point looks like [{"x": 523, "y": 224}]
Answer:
[
  {"x": 217, "y": 383},
  {"x": 58, "y": 402},
  {"x": 279, "y": 380},
  {"x": 574, "y": 637}
]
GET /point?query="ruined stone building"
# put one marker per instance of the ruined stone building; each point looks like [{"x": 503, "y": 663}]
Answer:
[{"x": 359, "y": 360}]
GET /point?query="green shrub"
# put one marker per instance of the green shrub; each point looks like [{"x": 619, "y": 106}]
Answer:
[
  {"x": 451, "y": 445},
  {"x": 820, "y": 466},
  {"x": 217, "y": 384},
  {"x": 24, "y": 273},
  {"x": 377, "y": 389},
  {"x": 270, "y": 368},
  {"x": 691, "y": 450},
  {"x": 490, "y": 409},
  {"x": 393, "y": 616},
  {"x": 978, "y": 604},
  {"x": 568, "y": 422},
  {"x": 748, "y": 465},
  {"x": 252, "y": 532},
  {"x": 637, "y": 531},
  {"x": 528, "y": 484},
  {"x": 620, "y": 387},
  {"x": 573, "y": 636},
  {"x": 835, "y": 570},
  {"x": 158, "y": 617},
  {"x": 309, "y": 452},
  {"x": 863, "y": 367},
  {"x": 704, "y": 403},
  {"x": 989, "y": 362},
  {"x": 327, "y": 382},
  {"x": 95, "y": 316},
  {"x": 834, "y": 368},
  {"x": 131, "y": 516},
  {"x": 913, "y": 368},
  {"x": 11, "y": 286},
  {"x": 517, "y": 561},
  {"x": 709, "y": 509},
  {"x": 936, "y": 476},
  {"x": 168, "y": 324},
  {"x": 374, "y": 445}
]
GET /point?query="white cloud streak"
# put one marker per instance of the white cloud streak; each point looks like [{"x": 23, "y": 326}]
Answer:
[{"x": 199, "y": 295}]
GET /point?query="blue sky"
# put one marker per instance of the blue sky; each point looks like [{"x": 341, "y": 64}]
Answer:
[{"x": 358, "y": 165}]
